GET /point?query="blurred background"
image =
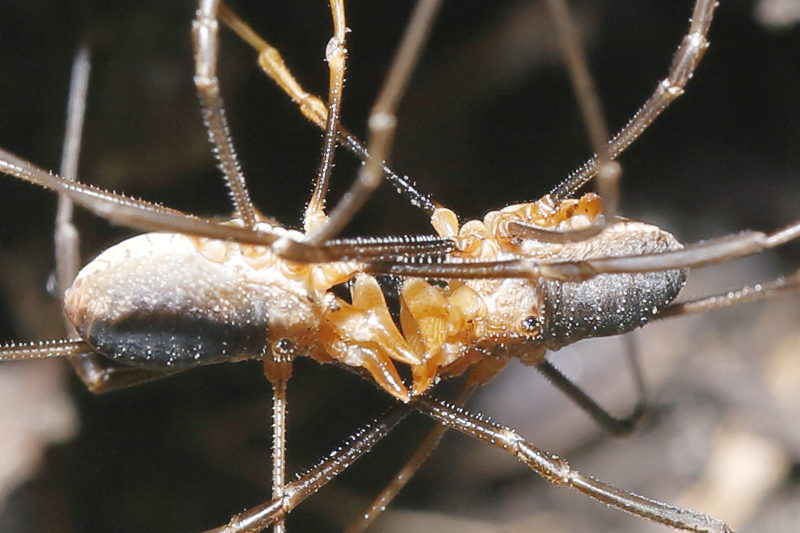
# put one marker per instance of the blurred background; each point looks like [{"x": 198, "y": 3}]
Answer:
[{"x": 489, "y": 120}]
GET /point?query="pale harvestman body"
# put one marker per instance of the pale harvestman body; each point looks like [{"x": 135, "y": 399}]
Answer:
[{"x": 390, "y": 258}]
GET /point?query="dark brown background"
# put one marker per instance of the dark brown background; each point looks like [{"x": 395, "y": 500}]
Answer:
[{"x": 489, "y": 120}]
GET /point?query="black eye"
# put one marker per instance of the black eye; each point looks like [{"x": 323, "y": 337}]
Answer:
[
  {"x": 284, "y": 347},
  {"x": 531, "y": 324}
]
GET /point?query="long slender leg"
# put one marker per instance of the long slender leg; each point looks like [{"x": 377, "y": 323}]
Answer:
[
  {"x": 66, "y": 236},
  {"x": 99, "y": 374},
  {"x": 336, "y": 56},
  {"x": 557, "y": 471},
  {"x": 67, "y": 244},
  {"x": 311, "y": 107},
  {"x": 695, "y": 255},
  {"x": 615, "y": 426},
  {"x": 581, "y": 78},
  {"x": 549, "y": 466},
  {"x": 148, "y": 216},
  {"x": 686, "y": 59},
  {"x": 609, "y": 171},
  {"x": 137, "y": 213},
  {"x": 96, "y": 372},
  {"x": 750, "y": 293},
  {"x": 278, "y": 372},
  {"x": 206, "y": 42},
  {"x": 382, "y": 121},
  {"x": 602, "y": 164},
  {"x": 151, "y": 217},
  {"x": 477, "y": 375},
  {"x": 409, "y": 468},
  {"x": 275, "y": 510},
  {"x": 368, "y": 248},
  {"x": 144, "y": 215}
]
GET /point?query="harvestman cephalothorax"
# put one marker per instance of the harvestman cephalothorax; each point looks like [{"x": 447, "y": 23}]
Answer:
[{"x": 434, "y": 341}]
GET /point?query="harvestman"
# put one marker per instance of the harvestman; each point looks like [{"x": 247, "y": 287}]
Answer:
[{"x": 516, "y": 274}]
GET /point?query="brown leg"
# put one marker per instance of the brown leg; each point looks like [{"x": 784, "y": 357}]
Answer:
[
  {"x": 273, "y": 511},
  {"x": 686, "y": 59},
  {"x": 750, "y": 293},
  {"x": 414, "y": 463},
  {"x": 143, "y": 215},
  {"x": 66, "y": 235},
  {"x": 98, "y": 373},
  {"x": 205, "y": 29},
  {"x": 336, "y": 57},
  {"x": 271, "y": 62},
  {"x": 695, "y": 255},
  {"x": 382, "y": 122},
  {"x": 278, "y": 372},
  {"x": 616, "y": 426},
  {"x": 557, "y": 471}
]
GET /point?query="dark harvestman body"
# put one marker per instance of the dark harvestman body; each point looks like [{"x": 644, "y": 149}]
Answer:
[{"x": 690, "y": 91}]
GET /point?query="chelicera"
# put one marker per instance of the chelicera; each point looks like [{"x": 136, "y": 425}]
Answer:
[{"x": 527, "y": 278}]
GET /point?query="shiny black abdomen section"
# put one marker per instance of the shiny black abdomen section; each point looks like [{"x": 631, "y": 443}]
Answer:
[
  {"x": 170, "y": 311},
  {"x": 609, "y": 304}
]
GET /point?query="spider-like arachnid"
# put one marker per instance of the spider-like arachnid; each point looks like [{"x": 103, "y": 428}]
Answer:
[{"x": 450, "y": 137}]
